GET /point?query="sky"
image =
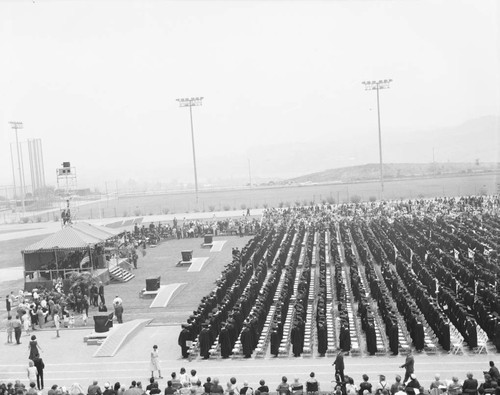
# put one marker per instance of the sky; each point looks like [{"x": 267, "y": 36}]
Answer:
[{"x": 98, "y": 80}]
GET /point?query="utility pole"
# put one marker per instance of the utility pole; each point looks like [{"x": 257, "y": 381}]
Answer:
[
  {"x": 377, "y": 85},
  {"x": 16, "y": 126},
  {"x": 190, "y": 102},
  {"x": 13, "y": 174}
]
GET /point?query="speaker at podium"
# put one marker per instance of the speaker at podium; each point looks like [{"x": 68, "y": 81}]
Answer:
[{"x": 103, "y": 322}]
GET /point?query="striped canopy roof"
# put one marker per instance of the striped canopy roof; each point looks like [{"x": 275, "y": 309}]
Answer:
[{"x": 73, "y": 237}]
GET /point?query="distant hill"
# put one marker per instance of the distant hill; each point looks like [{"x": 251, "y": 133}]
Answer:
[{"x": 371, "y": 171}]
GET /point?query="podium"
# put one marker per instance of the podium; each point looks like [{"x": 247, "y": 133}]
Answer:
[
  {"x": 208, "y": 241},
  {"x": 103, "y": 322},
  {"x": 187, "y": 258},
  {"x": 153, "y": 283}
]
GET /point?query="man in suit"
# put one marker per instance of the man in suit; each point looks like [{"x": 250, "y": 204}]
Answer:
[
  {"x": 339, "y": 365},
  {"x": 409, "y": 366}
]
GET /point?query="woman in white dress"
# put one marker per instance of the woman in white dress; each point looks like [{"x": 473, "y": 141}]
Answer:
[
  {"x": 31, "y": 372},
  {"x": 155, "y": 362},
  {"x": 26, "y": 322}
]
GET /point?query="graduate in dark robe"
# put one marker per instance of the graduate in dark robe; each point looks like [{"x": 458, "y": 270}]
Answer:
[
  {"x": 247, "y": 341},
  {"x": 184, "y": 338},
  {"x": 225, "y": 342},
  {"x": 204, "y": 341},
  {"x": 275, "y": 341},
  {"x": 322, "y": 338}
]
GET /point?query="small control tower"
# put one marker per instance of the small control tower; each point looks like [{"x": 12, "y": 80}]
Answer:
[{"x": 66, "y": 186}]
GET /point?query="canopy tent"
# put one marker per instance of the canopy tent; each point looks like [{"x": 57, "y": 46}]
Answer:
[
  {"x": 77, "y": 236},
  {"x": 80, "y": 243}
]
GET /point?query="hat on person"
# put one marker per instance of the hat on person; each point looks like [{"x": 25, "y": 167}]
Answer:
[
  {"x": 107, "y": 385},
  {"x": 413, "y": 376}
]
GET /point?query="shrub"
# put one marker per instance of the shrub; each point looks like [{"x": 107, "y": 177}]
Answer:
[
  {"x": 211, "y": 208},
  {"x": 330, "y": 200},
  {"x": 297, "y": 203},
  {"x": 256, "y": 205},
  {"x": 38, "y": 219},
  {"x": 226, "y": 207},
  {"x": 281, "y": 204},
  {"x": 265, "y": 205},
  {"x": 125, "y": 213},
  {"x": 25, "y": 220},
  {"x": 373, "y": 199},
  {"x": 243, "y": 206},
  {"x": 165, "y": 210}
]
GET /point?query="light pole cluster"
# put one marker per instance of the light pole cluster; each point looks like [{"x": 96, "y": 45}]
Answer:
[
  {"x": 16, "y": 126},
  {"x": 190, "y": 102},
  {"x": 377, "y": 85}
]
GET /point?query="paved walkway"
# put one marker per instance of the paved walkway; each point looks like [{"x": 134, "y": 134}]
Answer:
[
  {"x": 165, "y": 293},
  {"x": 217, "y": 245},
  {"x": 197, "y": 264}
]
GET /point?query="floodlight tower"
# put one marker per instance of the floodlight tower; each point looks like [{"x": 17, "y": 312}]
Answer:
[
  {"x": 377, "y": 85},
  {"x": 190, "y": 102},
  {"x": 16, "y": 126}
]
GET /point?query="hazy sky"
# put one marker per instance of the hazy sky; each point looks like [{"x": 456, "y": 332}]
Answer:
[{"x": 97, "y": 81}]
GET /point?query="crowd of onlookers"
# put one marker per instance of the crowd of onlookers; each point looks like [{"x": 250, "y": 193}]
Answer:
[{"x": 184, "y": 383}]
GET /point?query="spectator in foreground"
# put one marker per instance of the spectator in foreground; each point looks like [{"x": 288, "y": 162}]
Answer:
[
  {"x": 312, "y": 385},
  {"x": 169, "y": 390},
  {"x": 365, "y": 385},
  {"x": 263, "y": 389},
  {"x": 216, "y": 387},
  {"x": 454, "y": 388},
  {"x": 283, "y": 388},
  {"x": 396, "y": 385}
]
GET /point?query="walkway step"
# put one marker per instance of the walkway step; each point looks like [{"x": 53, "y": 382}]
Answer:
[{"x": 120, "y": 274}]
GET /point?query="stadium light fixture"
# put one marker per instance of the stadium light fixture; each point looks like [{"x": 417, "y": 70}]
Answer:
[
  {"x": 191, "y": 102},
  {"x": 378, "y": 85}
]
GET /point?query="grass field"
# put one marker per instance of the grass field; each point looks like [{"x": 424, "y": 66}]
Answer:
[{"x": 290, "y": 196}]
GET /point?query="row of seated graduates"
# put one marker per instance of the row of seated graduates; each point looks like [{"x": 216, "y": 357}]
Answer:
[
  {"x": 302, "y": 297},
  {"x": 322, "y": 305},
  {"x": 435, "y": 317},
  {"x": 345, "y": 334},
  {"x": 229, "y": 286},
  {"x": 359, "y": 292},
  {"x": 265, "y": 297},
  {"x": 243, "y": 291},
  {"x": 405, "y": 303},
  {"x": 262, "y": 296},
  {"x": 364, "y": 239},
  {"x": 282, "y": 304},
  {"x": 453, "y": 304}
]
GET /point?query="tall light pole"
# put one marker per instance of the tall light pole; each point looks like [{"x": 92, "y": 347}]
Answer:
[
  {"x": 377, "y": 85},
  {"x": 190, "y": 102},
  {"x": 16, "y": 126}
]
